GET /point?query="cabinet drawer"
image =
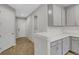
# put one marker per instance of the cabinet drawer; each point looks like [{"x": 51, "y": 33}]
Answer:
[
  {"x": 53, "y": 43},
  {"x": 56, "y": 42}
]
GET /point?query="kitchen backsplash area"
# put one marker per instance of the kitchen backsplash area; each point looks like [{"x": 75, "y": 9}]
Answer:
[{"x": 71, "y": 30}]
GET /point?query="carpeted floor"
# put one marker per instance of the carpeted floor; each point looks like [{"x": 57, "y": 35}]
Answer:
[{"x": 23, "y": 47}]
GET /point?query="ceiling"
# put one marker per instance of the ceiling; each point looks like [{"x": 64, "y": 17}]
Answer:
[{"x": 23, "y": 10}]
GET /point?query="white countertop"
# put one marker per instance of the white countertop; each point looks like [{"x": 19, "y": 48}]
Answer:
[{"x": 51, "y": 37}]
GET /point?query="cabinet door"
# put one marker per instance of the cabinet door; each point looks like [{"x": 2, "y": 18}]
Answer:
[
  {"x": 50, "y": 15},
  {"x": 63, "y": 16},
  {"x": 71, "y": 16},
  {"x": 66, "y": 45},
  {"x": 53, "y": 50},
  {"x": 75, "y": 45},
  {"x": 56, "y": 48},
  {"x": 77, "y": 14},
  {"x": 56, "y": 15},
  {"x": 59, "y": 49}
]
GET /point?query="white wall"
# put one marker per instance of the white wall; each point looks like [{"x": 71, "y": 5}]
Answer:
[
  {"x": 7, "y": 27},
  {"x": 42, "y": 18},
  {"x": 41, "y": 13},
  {"x": 29, "y": 26}
]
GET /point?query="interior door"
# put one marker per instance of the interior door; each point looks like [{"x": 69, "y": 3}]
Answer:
[{"x": 21, "y": 27}]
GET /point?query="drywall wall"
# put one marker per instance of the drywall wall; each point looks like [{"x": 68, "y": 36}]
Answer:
[
  {"x": 7, "y": 28},
  {"x": 29, "y": 26},
  {"x": 42, "y": 18}
]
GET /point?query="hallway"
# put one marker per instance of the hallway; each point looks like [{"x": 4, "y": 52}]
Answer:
[{"x": 23, "y": 47}]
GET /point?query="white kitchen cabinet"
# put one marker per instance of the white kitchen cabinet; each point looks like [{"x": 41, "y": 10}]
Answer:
[
  {"x": 77, "y": 14},
  {"x": 59, "y": 49},
  {"x": 63, "y": 17},
  {"x": 66, "y": 45},
  {"x": 75, "y": 45},
  {"x": 56, "y": 48},
  {"x": 56, "y": 15},
  {"x": 71, "y": 16}
]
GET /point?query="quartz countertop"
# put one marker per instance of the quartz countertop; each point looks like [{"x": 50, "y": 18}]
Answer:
[{"x": 53, "y": 37}]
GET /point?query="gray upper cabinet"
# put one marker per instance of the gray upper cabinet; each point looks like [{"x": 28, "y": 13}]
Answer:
[
  {"x": 59, "y": 16},
  {"x": 73, "y": 16},
  {"x": 56, "y": 15}
]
